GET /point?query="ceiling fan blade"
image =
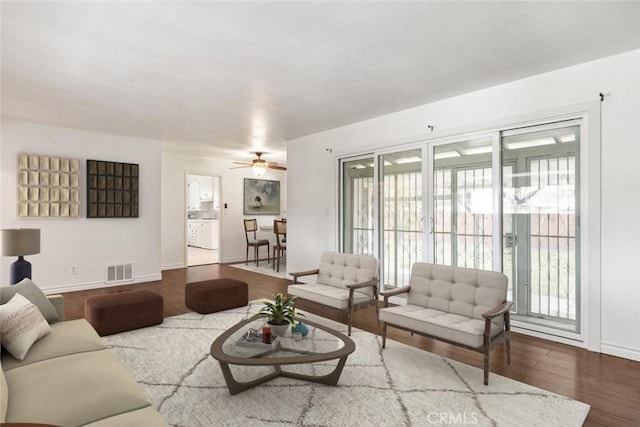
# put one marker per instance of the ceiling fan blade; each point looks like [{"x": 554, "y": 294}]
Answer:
[
  {"x": 242, "y": 163},
  {"x": 280, "y": 168},
  {"x": 241, "y": 167}
]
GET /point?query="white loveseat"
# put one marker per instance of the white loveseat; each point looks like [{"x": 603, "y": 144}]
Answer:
[{"x": 460, "y": 306}]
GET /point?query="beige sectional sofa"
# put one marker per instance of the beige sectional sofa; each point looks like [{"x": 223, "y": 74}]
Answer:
[
  {"x": 461, "y": 306},
  {"x": 70, "y": 378}
]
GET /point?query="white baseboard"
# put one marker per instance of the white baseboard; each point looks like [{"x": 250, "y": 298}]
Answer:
[
  {"x": 619, "y": 351},
  {"x": 97, "y": 285},
  {"x": 173, "y": 266},
  {"x": 547, "y": 336},
  {"x": 234, "y": 260}
]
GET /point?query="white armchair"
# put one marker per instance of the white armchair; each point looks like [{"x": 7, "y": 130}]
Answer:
[{"x": 345, "y": 282}]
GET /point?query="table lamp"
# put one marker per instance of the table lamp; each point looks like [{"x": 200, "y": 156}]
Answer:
[{"x": 20, "y": 242}]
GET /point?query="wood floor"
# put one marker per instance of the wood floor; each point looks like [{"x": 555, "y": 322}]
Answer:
[{"x": 609, "y": 384}]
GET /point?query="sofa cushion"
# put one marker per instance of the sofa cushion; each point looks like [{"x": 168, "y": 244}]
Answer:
[
  {"x": 327, "y": 295},
  {"x": 21, "y": 324},
  {"x": 72, "y": 390},
  {"x": 439, "y": 324},
  {"x": 463, "y": 291},
  {"x": 145, "y": 417},
  {"x": 33, "y": 293},
  {"x": 340, "y": 269},
  {"x": 69, "y": 337}
]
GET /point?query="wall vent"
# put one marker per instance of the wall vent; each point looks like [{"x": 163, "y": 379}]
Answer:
[{"x": 119, "y": 273}]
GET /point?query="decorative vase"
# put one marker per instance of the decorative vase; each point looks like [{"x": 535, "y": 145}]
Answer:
[
  {"x": 279, "y": 330},
  {"x": 300, "y": 327}
]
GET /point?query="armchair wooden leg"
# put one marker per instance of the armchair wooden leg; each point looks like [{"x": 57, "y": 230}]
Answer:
[
  {"x": 377, "y": 314},
  {"x": 384, "y": 334},
  {"x": 507, "y": 326},
  {"x": 486, "y": 367},
  {"x": 487, "y": 350}
]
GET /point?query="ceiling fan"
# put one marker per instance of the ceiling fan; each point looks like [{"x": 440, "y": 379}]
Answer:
[{"x": 259, "y": 165}]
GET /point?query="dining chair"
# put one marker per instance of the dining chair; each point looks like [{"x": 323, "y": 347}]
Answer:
[
  {"x": 280, "y": 247},
  {"x": 250, "y": 228}
]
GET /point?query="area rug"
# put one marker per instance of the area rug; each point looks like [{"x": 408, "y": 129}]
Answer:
[{"x": 397, "y": 386}]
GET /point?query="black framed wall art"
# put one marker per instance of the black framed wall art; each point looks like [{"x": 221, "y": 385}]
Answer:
[{"x": 112, "y": 189}]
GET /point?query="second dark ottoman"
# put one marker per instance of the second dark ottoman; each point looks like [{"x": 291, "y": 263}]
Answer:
[
  {"x": 124, "y": 311},
  {"x": 209, "y": 296}
]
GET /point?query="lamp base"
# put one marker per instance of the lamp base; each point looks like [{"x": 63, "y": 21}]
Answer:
[{"x": 19, "y": 270}]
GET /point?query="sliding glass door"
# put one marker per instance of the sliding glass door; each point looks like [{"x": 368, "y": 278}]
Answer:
[
  {"x": 463, "y": 204},
  {"x": 503, "y": 200},
  {"x": 541, "y": 222},
  {"x": 401, "y": 239},
  {"x": 358, "y": 206}
]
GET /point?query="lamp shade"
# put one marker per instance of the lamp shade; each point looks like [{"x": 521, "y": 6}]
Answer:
[
  {"x": 20, "y": 241},
  {"x": 259, "y": 168}
]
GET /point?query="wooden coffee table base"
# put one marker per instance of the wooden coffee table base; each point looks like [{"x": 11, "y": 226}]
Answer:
[{"x": 236, "y": 387}]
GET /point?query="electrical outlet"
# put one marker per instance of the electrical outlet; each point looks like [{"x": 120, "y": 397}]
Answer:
[{"x": 74, "y": 269}]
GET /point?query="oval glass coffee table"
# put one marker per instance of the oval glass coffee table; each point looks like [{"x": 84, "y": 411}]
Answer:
[{"x": 321, "y": 344}]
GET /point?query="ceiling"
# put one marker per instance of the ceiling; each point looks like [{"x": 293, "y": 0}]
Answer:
[{"x": 228, "y": 78}]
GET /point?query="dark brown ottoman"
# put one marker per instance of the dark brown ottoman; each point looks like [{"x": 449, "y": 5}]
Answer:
[
  {"x": 124, "y": 311},
  {"x": 209, "y": 296}
]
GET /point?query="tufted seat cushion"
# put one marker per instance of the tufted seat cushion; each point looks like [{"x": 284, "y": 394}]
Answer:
[
  {"x": 440, "y": 324},
  {"x": 330, "y": 296}
]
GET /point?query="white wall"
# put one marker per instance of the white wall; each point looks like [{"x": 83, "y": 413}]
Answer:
[
  {"x": 173, "y": 207},
  {"x": 90, "y": 244},
  {"x": 312, "y": 194}
]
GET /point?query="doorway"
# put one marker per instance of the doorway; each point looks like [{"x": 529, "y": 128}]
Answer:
[{"x": 203, "y": 219}]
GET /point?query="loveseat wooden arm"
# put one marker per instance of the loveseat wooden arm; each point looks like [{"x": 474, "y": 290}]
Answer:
[
  {"x": 393, "y": 292},
  {"x": 303, "y": 273},
  {"x": 497, "y": 311},
  {"x": 373, "y": 282},
  {"x": 489, "y": 341}
]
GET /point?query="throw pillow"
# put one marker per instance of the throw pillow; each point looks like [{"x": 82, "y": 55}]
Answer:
[
  {"x": 21, "y": 324},
  {"x": 33, "y": 293}
]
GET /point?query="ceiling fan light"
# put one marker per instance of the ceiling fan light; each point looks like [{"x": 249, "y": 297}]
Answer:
[{"x": 259, "y": 168}]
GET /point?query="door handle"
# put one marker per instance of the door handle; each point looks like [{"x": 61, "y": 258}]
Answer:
[{"x": 422, "y": 224}]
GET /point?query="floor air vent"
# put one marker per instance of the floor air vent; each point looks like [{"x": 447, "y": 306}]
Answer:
[{"x": 119, "y": 273}]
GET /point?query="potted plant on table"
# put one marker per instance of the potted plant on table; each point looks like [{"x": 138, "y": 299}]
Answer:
[{"x": 280, "y": 313}]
